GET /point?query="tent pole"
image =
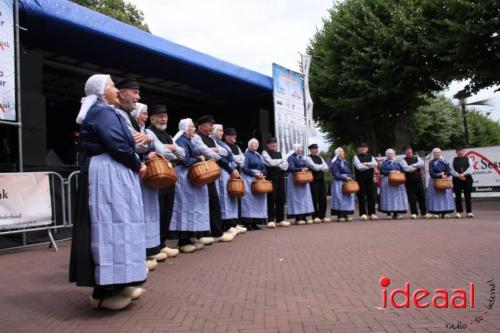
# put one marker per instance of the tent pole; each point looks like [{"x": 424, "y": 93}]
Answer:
[{"x": 18, "y": 86}]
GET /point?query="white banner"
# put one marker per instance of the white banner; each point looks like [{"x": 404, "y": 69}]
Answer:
[
  {"x": 289, "y": 108},
  {"x": 7, "y": 62},
  {"x": 24, "y": 200},
  {"x": 306, "y": 66},
  {"x": 486, "y": 164}
]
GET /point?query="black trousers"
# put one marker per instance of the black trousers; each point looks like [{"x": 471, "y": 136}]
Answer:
[
  {"x": 318, "y": 194},
  {"x": 166, "y": 198},
  {"x": 276, "y": 200},
  {"x": 464, "y": 186},
  {"x": 416, "y": 193},
  {"x": 366, "y": 195},
  {"x": 216, "y": 227}
]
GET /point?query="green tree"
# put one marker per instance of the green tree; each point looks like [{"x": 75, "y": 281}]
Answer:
[
  {"x": 440, "y": 123},
  {"x": 376, "y": 62},
  {"x": 118, "y": 9}
]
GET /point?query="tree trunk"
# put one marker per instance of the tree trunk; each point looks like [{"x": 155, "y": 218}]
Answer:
[{"x": 401, "y": 133}]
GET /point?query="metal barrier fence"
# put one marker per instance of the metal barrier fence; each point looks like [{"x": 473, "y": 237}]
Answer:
[
  {"x": 61, "y": 212},
  {"x": 71, "y": 189}
]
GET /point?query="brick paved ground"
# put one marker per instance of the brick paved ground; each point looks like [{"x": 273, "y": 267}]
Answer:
[{"x": 313, "y": 278}]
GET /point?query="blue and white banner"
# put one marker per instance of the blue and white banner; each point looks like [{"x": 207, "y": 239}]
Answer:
[
  {"x": 289, "y": 108},
  {"x": 7, "y": 62}
]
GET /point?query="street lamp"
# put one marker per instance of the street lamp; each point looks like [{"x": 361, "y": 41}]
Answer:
[{"x": 462, "y": 99}]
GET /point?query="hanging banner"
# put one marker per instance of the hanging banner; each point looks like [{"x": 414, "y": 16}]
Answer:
[
  {"x": 289, "y": 108},
  {"x": 486, "y": 166},
  {"x": 306, "y": 66},
  {"x": 24, "y": 200},
  {"x": 7, "y": 62}
]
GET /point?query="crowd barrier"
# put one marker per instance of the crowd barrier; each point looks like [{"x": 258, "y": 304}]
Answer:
[{"x": 62, "y": 199}]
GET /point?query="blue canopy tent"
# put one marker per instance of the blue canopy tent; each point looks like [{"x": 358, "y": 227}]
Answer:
[
  {"x": 63, "y": 43},
  {"x": 65, "y": 27}
]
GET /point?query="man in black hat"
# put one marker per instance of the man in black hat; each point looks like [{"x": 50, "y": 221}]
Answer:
[
  {"x": 165, "y": 146},
  {"x": 230, "y": 138},
  {"x": 413, "y": 166},
  {"x": 208, "y": 148},
  {"x": 364, "y": 165},
  {"x": 318, "y": 167},
  {"x": 128, "y": 96},
  {"x": 276, "y": 167}
]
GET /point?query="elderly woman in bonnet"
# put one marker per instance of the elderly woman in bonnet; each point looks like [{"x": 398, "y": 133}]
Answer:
[
  {"x": 107, "y": 250},
  {"x": 141, "y": 115},
  {"x": 393, "y": 198},
  {"x": 229, "y": 170},
  {"x": 150, "y": 201},
  {"x": 342, "y": 203},
  {"x": 299, "y": 199},
  {"x": 190, "y": 217},
  {"x": 164, "y": 146},
  {"x": 439, "y": 203},
  {"x": 253, "y": 206}
]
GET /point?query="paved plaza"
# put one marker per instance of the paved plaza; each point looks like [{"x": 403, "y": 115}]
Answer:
[{"x": 312, "y": 278}]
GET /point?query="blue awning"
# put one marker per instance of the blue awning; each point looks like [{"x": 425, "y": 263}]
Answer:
[{"x": 70, "y": 29}]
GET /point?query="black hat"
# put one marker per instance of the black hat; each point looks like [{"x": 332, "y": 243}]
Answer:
[
  {"x": 128, "y": 84},
  {"x": 407, "y": 147},
  {"x": 159, "y": 108},
  {"x": 313, "y": 146},
  {"x": 229, "y": 131},
  {"x": 363, "y": 145},
  {"x": 205, "y": 119},
  {"x": 272, "y": 140}
]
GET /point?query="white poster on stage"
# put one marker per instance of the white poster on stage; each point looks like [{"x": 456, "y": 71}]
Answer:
[
  {"x": 7, "y": 62},
  {"x": 289, "y": 108},
  {"x": 24, "y": 200},
  {"x": 486, "y": 165}
]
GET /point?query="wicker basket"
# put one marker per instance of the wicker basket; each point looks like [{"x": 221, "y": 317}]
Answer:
[
  {"x": 203, "y": 173},
  {"x": 396, "y": 178},
  {"x": 303, "y": 177},
  {"x": 442, "y": 184},
  {"x": 236, "y": 188},
  {"x": 159, "y": 173},
  {"x": 350, "y": 187},
  {"x": 262, "y": 186}
]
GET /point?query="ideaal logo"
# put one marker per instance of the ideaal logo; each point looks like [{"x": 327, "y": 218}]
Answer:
[
  {"x": 461, "y": 298},
  {"x": 440, "y": 299}
]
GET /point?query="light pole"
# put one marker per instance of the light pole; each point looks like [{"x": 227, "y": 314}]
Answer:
[{"x": 462, "y": 98}]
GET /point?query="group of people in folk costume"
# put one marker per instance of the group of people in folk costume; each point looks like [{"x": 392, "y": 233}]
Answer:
[
  {"x": 121, "y": 226},
  {"x": 395, "y": 199}
]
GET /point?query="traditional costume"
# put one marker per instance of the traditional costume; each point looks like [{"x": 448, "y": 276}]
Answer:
[
  {"x": 149, "y": 196},
  {"x": 276, "y": 167},
  {"x": 299, "y": 200},
  {"x": 318, "y": 166},
  {"x": 414, "y": 185},
  {"x": 364, "y": 166},
  {"x": 253, "y": 206},
  {"x": 166, "y": 196},
  {"x": 439, "y": 202},
  {"x": 107, "y": 250},
  {"x": 342, "y": 203},
  {"x": 393, "y": 199},
  {"x": 228, "y": 204},
  {"x": 204, "y": 143},
  {"x": 190, "y": 217},
  {"x": 462, "y": 166}
]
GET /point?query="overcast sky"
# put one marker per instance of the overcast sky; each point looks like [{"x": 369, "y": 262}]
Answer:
[{"x": 252, "y": 34}]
